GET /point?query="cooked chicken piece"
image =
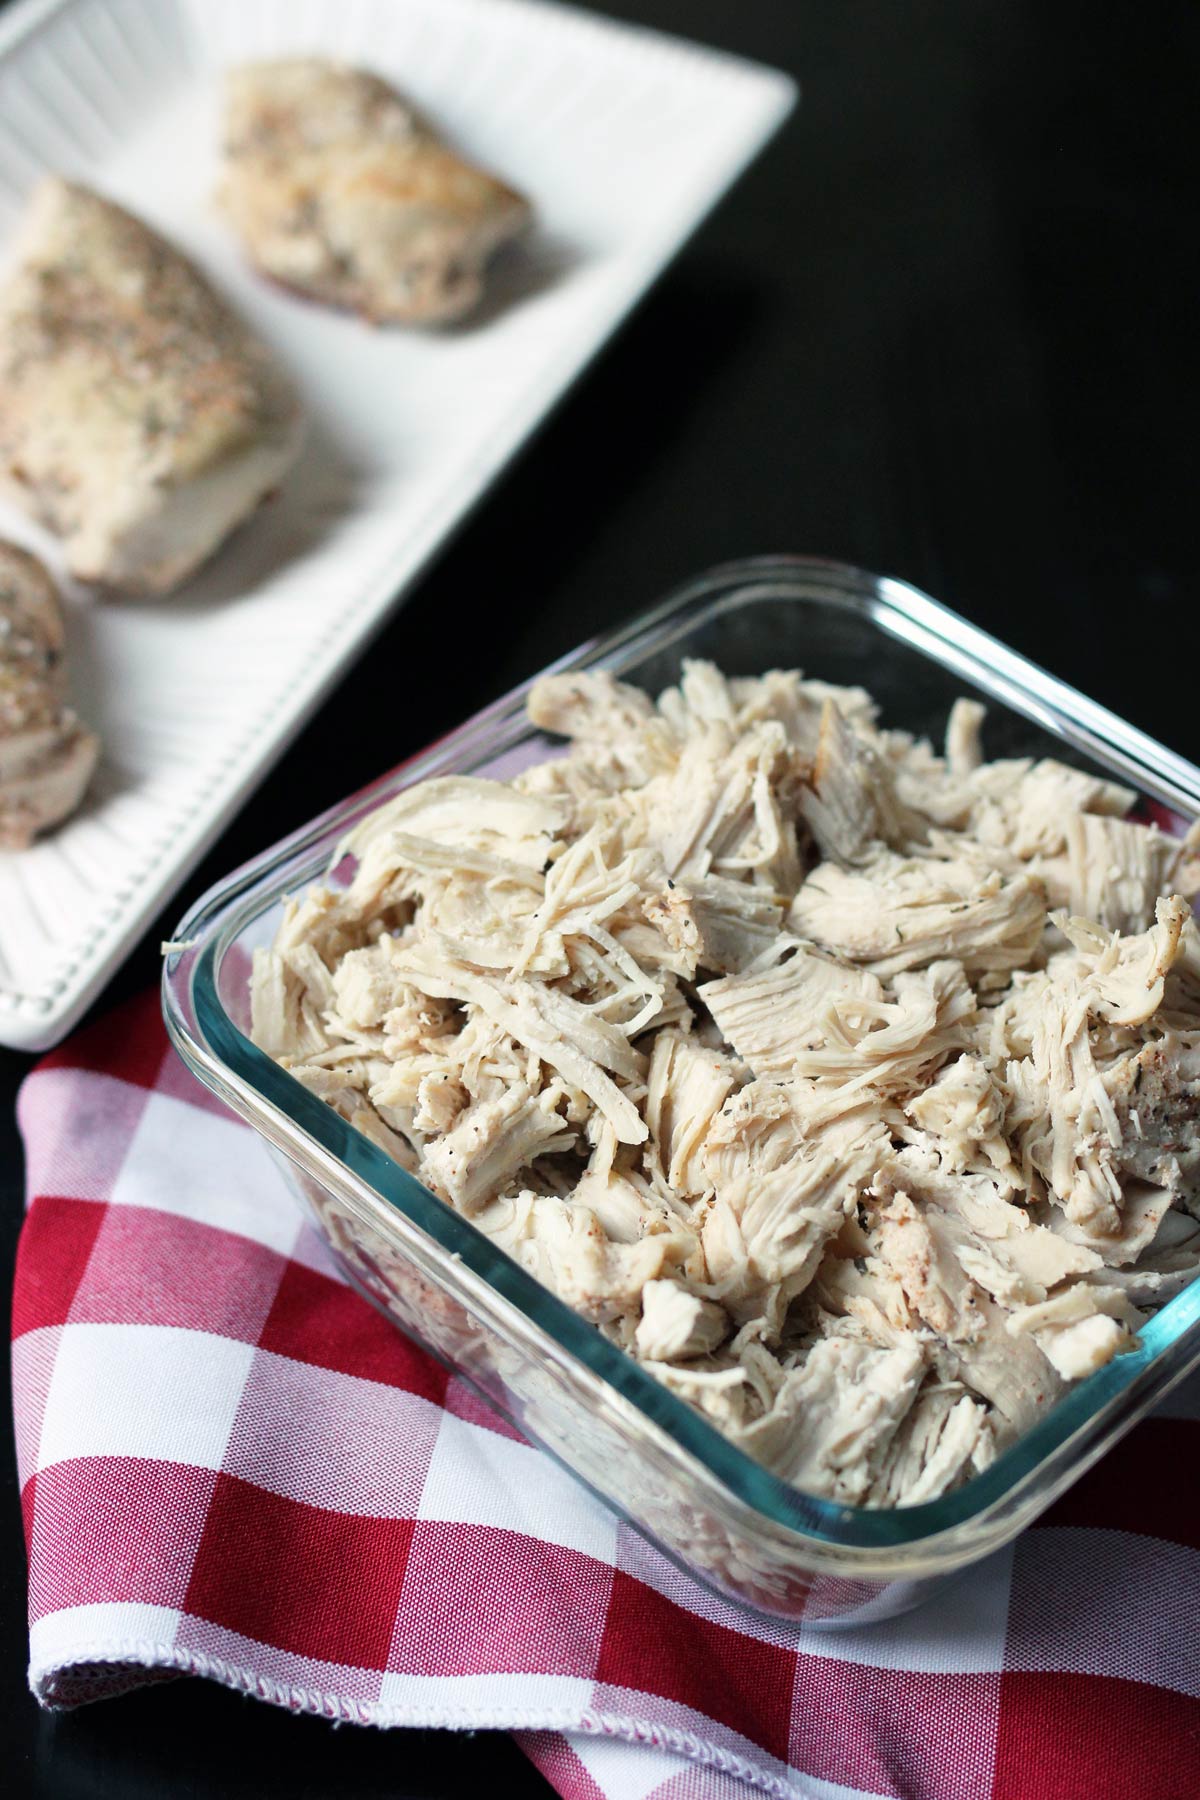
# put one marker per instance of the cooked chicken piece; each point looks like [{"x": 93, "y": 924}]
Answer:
[
  {"x": 1164, "y": 1269},
  {"x": 799, "y": 705},
  {"x": 565, "y": 1035},
  {"x": 703, "y": 698},
  {"x": 686, "y": 1087},
  {"x": 772, "y": 1014},
  {"x": 717, "y": 924},
  {"x": 567, "y": 1248},
  {"x": 1080, "y": 1329},
  {"x": 676, "y": 1324},
  {"x": 964, "y": 749},
  {"x": 340, "y": 1093},
  {"x": 947, "y": 1273},
  {"x": 1014, "y": 805},
  {"x": 1062, "y": 1115},
  {"x": 592, "y": 915},
  {"x": 1123, "y": 979},
  {"x": 899, "y": 913},
  {"x": 476, "y": 818},
  {"x": 1025, "y": 807},
  {"x": 46, "y": 755},
  {"x": 898, "y": 1043},
  {"x": 1118, "y": 870},
  {"x": 1061, "y": 1120},
  {"x": 785, "y": 1178},
  {"x": 491, "y": 1142},
  {"x": 1120, "y": 984},
  {"x": 1011, "y": 1373},
  {"x": 595, "y": 709},
  {"x": 368, "y": 991},
  {"x": 630, "y": 1207},
  {"x": 870, "y": 1197},
  {"x": 725, "y": 809},
  {"x": 138, "y": 418},
  {"x": 1181, "y": 991},
  {"x": 1155, "y": 1097},
  {"x": 962, "y": 1110},
  {"x": 943, "y": 1439},
  {"x": 1143, "y": 1210},
  {"x": 724, "y": 1386},
  {"x": 918, "y": 1246},
  {"x": 440, "y": 1099},
  {"x": 1020, "y": 1268},
  {"x": 997, "y": 1241},
  {"x": 338, "y": 188},
  {"x": 837, "y": 1414},
  {"x": 852, "y": 804}
]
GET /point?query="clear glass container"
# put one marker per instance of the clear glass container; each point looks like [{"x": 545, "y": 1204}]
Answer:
[{"x": 640, "y": 1448}]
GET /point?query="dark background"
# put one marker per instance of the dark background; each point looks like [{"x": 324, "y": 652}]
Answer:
[{"x": 946, "y": 329}]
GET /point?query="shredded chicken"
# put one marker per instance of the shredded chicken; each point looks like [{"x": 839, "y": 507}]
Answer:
[{"x": 750, "y": 1028}]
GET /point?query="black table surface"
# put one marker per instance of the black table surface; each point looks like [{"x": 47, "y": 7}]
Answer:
[{"x": 945, "y": 328}]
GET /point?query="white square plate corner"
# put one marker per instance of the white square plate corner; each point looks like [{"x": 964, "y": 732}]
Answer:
[{"x": 624, "y": 140}]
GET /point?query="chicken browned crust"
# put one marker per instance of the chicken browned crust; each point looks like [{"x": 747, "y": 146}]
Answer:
[{"x": 338, "y": 188}]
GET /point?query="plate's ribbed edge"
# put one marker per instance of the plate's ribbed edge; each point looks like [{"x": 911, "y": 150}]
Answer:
[
  {"x": 33, "y": 1017},
  {"x": 22, "y": 21},
  {"x": 105, "y": 44}
]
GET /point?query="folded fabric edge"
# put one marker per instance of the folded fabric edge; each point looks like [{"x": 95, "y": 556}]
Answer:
[
  {"x": 583, "y": 1767},
  {"x": 101, "y": 1671}
]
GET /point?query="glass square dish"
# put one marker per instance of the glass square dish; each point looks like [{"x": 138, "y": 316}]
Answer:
[{"x": 640, "y": 1448}]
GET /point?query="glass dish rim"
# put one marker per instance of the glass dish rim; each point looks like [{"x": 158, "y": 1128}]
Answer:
[{"x": 218, "y": 1050}]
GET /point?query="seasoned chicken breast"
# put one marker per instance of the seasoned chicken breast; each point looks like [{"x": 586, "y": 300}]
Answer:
[
  {"x": 46, "y": 755},
  {"x": 139, "y": 418},
  {"x": 339, "y": 189}
]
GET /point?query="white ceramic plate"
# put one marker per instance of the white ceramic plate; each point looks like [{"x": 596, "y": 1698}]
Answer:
[{"x": 623, "y": 139}]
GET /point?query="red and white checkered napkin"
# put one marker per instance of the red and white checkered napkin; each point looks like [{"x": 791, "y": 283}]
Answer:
[{"x": 232, "y": 1466}]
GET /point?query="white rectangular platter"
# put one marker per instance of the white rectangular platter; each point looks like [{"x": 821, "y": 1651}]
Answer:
[{"x": 622, "y": 138}]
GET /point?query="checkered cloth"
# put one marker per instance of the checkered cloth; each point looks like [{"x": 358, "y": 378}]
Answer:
[{"x": 232, "y": 1466}]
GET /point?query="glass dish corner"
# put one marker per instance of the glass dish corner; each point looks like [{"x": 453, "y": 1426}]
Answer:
[{"x": 643, "y": 1450}]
